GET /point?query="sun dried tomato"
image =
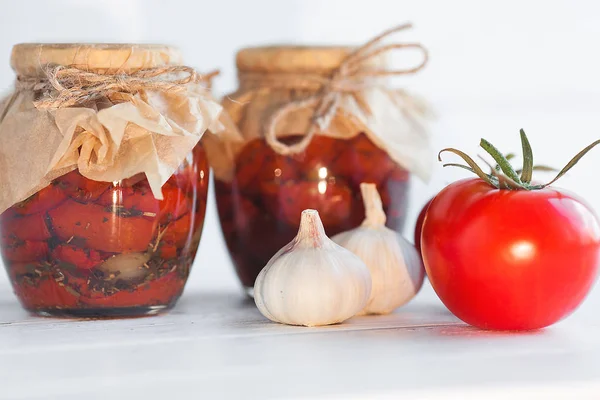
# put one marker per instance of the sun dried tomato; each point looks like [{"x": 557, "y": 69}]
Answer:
[
  {"x": 46, "y": 294},
  {"x": 28, "y": 227},
  {"x": 167, "y": 251},
  {"x": 23, "y": 250},
  {"x": 260, "y": 209},
  {"x": 58, "y": 244},
  {"x": 37, "y": 288},
  {"x": 333, "y": 200},
  {"x": 175, "y": 204},
  {"x": 320, "y": 153},
  {"x": 161, "y": 291},
  {"x": 78, "y": 257},
  {"x": 80, "y": 188},
  {"x": 268, "y": 240},
  {"x": 134, "y": 198},
  {"x": 251, "y": 159},
  {"x": 178, "y": 232},
  {"x": 102, "y": 228},
  {"x": 44, "y": 200},
  {"x": 277, "y": 168},
  {"x": 136, "y": 180},
  {"x": 362, "y": 161}
]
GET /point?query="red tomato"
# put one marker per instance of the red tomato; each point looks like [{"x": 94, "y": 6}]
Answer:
[
  {"x": 419, "y": 226},
  {"x": 510, "y": 259}
]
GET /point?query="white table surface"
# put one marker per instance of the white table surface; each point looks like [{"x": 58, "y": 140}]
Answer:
[{"x": 216, "y": 345}]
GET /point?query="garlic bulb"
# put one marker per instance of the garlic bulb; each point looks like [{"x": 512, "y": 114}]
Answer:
[
  {"x": 312, "y": 281},
  {"x": 396, "y": 269}
]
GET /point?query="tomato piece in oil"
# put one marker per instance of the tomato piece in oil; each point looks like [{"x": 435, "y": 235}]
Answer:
[
  {"x": 81, "y": 188},
  {"x": 362, "y": 161},
  {"x": 333, "y": 200},
  {"x": 178, "y": 232},
  {"x": 163, "y": 290},
  {"x": 23, "y": 250},
  {"x": 28, "y": 227},
  {"x": 44, "y": 200},
  {"x": 101, "y": 228},
  {"x": 137, "y": 197},
  {"x": 175, "y": 204},
  {"x": 76, "y": 256}
]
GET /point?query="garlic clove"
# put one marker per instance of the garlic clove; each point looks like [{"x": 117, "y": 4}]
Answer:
[
  {"x": 396, "y": 269},
  {"x": 125, "y": 266},
  {"x": 312, "y": 281}
]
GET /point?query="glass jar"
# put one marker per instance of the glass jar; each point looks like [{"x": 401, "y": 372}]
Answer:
[
  {"x": 260, "y": 208},
  {"x": 94, "y": 248},
  {"x": 84, "y": 248},
  {"x": 262, "y": 192}
]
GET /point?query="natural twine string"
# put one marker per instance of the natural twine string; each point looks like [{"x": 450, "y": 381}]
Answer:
[
  {"x": 350, "y": 78},
  {"x": 69, "y": 86}
]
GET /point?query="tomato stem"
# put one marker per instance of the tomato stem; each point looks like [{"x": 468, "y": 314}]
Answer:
[
  {"x": 472, "y": 164},
  {"x": 572, "y": 163},
  {"x": 527, "y": 171},
  {"x": 503, "y": 175},
  {"x": 501, "y": 160}
]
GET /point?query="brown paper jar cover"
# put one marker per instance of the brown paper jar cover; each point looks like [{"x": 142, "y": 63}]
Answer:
[
  {"x": 376, "y": 135},
  {"x": 102, "y": 202}
]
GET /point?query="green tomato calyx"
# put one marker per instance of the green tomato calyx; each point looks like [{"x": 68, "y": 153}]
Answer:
[{"x": 503, "y": 175}]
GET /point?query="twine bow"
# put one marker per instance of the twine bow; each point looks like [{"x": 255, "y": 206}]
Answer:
[
  {"x": 350, "y": 78},
  {"x": 68, "y": 86}
]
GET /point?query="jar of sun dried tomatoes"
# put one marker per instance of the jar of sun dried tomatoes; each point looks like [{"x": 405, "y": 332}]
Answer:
[
  {"x": 314, "y": 122},
  {"x": 104, "y": 181}
]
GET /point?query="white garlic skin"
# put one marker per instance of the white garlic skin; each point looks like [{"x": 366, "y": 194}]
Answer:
[
  {"x": 397, "y": 271},
  {"x": 312, "y": 281}
]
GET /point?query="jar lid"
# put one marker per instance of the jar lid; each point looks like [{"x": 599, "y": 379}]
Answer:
[
  {"x": 28, "y": 59},
  {"x": 291, "y": 58}
]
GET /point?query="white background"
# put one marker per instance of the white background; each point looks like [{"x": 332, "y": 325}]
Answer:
[{"x": 495, "y": 67}]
